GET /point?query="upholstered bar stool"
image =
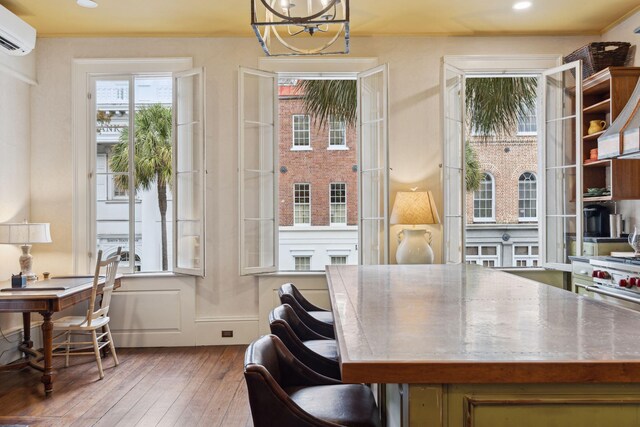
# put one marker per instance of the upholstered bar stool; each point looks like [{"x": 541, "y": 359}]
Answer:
[
  {"x": 283, "y": 392},
  {"x": 318, "y": 319},
  {"x": 314, "y": 350}
]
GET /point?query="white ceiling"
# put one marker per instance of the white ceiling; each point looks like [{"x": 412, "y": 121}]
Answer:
[{"x": 183, "y": 18}]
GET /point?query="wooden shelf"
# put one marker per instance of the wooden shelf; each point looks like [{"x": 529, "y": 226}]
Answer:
[
  {"x": 599, "y": 164},
  {"x": 597, "y": 199},
  {"x": 599, "y": 107},
  {"x": 592, "y": 137}
]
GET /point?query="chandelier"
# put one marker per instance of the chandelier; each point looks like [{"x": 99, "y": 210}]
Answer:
[{"x": 301, "y": 27}]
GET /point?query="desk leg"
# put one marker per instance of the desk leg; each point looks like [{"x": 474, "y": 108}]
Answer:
[
  {"x": 26, "y": 324},
  {"x": 47, "y": 344}
]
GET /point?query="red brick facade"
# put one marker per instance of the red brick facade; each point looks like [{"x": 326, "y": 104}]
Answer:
[
  {"x": 319, "y": 167},
  {"x": 505, "y": 160}
]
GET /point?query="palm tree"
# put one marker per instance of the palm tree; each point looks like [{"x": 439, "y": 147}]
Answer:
[
  {"x": 152, "y": 159},
  {"x": 493, "y": 104}
]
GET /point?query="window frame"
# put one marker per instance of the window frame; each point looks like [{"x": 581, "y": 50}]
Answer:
[
  {"x": 298, "y": 204},
  {"x": 492, "y": 218},
  {"x": 332, "y": 204},
  {"x": 83, "y": 162},
  {"x": 531, "y": 260},
  {"x": 530, "y": 114},
  {"x": 300, "y": 147},
  {"x": 481, "y": 258},
  {"x": 343, "y": 130},
  {"x": 535, "y": 199},
  {"x": 296, "y": 258},
  {"x": 361, "y": 71}
]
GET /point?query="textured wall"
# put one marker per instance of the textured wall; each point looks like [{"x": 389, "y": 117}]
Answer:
[{"x": 14, "y": 174}]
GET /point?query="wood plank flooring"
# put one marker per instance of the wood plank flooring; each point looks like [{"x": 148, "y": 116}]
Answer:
[{"x": 178, "y": 386}]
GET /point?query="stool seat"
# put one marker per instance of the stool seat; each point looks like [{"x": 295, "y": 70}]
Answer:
[
  {"x": 347, "y": 405},
  {"x": 322, "y": 316},
  {"x": 325, "y": 348}
]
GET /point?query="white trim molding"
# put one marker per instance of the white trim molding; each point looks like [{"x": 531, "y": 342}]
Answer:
[{"x": 504, "y": 63}]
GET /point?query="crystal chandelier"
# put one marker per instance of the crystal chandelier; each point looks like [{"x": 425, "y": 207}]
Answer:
[{"x": 301, "y": 27}]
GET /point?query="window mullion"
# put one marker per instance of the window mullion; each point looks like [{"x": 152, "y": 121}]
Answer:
[{"x": 131, "y": 176}]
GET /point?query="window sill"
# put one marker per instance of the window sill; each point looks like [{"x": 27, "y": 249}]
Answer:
[
  {"x": 155, "y": 274},
  {"x": 338, "y": 148},
  {"x": 292, "y": 273},
  {"x": 301, "y": 149}
]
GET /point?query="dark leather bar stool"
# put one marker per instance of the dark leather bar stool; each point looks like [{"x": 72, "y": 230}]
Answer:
[
  {"x": 314, "y": 350},
  {"x": 318, "y": 319},
  {"x": 283, "y": 392}
]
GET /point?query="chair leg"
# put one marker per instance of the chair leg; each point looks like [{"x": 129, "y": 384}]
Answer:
[
  {"x": 66, "y": 357},
  {"x": 96, "y": 350},
  {"x": 112, "y": 346}
]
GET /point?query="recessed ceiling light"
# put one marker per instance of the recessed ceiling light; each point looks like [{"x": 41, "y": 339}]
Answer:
[
  {"x": 87, "y": 3},
  {"x": 522, "y": 5}
]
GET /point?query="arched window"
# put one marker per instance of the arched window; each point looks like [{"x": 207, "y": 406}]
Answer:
[
  {"x": 527, "y": 197},
  {"x": 484, "y": 200}
]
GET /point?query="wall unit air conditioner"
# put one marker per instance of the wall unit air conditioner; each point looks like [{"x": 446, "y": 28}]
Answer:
[{"x": 16, "y": 36}]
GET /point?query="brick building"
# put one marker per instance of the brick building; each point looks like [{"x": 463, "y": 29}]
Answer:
[
  {"x": 502, "y": 224},
  {"x": 317, "y": 188}
]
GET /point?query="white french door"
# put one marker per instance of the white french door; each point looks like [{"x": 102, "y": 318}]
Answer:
[
  {"x": 560, "y": 166},
  {"x": 373, "y": 166},
  {"x": 258, "y": 162},
  {"x": 454, "y": 166},
  {"x": 189, "y": 177}
]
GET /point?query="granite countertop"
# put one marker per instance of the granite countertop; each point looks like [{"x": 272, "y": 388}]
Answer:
[{"x": 443, "y": 324}]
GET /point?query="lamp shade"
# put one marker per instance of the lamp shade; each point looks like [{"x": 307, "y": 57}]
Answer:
[
  {"x": 414, "y": 207},
  {"x": 24, "y": 233}
]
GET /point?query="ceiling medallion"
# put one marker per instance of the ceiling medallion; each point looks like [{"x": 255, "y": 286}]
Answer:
[{"x": 308, "y": 27}]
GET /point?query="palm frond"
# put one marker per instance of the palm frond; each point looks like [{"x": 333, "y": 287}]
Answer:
[
  {"x": 324, "y": 99},
  {"x": 473, "y": 175},
  {"x": 493, "y": 104}
]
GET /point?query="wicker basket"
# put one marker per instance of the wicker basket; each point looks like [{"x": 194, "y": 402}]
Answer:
[{"x": 598, "y": 56}]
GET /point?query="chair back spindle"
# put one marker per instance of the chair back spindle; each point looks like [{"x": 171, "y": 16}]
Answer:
[{"x": 110, "y": 266}]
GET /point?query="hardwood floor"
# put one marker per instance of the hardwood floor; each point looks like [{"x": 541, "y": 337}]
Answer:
[{"x": 184, "y": 386}]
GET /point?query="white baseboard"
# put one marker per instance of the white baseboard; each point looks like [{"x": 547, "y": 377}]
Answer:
[
  {"x": 9, "y": 346},
  {"x": 209, "y": 330}
]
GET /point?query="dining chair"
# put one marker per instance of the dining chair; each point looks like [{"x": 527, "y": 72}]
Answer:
[
  {"x": 318, "y": 319},
  {"x": 314, "y": 350},
  {"x": 94, "y": 324},
  {"x": 284, "y": 392}
]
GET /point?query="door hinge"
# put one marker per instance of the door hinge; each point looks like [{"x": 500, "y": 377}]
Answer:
[
  {"x": 90, "y": 255},
  {"x": 90, "y": 175},
  {"x": 88, "y": 95}
]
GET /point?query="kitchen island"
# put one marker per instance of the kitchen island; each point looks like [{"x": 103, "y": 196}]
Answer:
[{"x": 462, "y": 345}]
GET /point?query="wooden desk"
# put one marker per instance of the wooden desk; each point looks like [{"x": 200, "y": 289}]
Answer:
[
  {"x": 45, "y": 302},
  {"x": 473, "y": 346}
]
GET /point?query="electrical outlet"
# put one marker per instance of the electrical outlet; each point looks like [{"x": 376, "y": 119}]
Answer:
[{"x": 227, "y": 334}]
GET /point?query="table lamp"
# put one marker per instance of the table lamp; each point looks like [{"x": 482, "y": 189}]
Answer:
[
  {"x": 413, "y": 208},
  {"x": 24, "y": 234}
]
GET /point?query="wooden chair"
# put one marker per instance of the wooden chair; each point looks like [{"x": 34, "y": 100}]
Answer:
[
  {"x": 283, "y": 392},
  {"x": 96, "y": 319}
]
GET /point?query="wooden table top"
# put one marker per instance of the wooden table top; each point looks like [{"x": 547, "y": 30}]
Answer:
[
  {"x": 468, "y": 324},
  {"x": 46, "y": 288}
]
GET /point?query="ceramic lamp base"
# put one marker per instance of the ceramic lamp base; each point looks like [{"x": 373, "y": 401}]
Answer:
[
  {"x": 414, "y": 247},
  {"x": 26, "y": 263}
]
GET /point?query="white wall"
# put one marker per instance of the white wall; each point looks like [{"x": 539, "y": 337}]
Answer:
[
  {"x": 415, "y": 139},
  {"x": 623, "y": 32},
  {"x": 14, "y": 170}
]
